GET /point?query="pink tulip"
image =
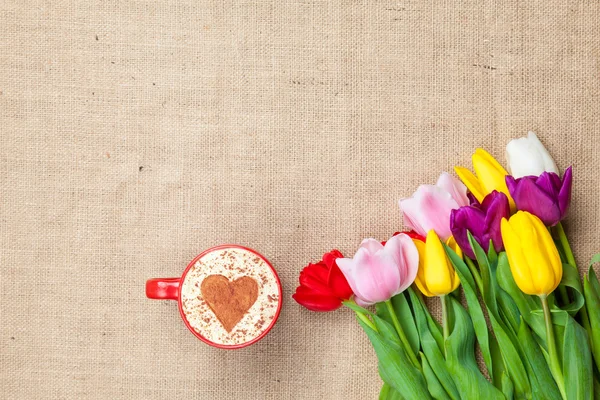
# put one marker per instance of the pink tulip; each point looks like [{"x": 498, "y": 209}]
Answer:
[
  {"x": 377, "y": 272},
  {"x": 429, "y": 208}
]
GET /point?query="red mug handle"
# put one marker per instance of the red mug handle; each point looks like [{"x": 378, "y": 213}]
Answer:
[{"x": 163, "y": 288}]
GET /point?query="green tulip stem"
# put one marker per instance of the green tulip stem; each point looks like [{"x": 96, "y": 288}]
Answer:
[
  {"x": 445, "y": 322},
  {"x": 552, "y": 354},
  {"x": 402, "y": 335},
  {"x": 366, "y": 320},
  {"x": 475, "y": 273},
  {"x": 562, "y": 236}
]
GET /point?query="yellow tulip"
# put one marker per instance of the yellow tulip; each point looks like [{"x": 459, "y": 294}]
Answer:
[
  {"x": 534, "y": 260},
  {"x": 436, "y": 275},
  {"x": 489, "y": 176}
]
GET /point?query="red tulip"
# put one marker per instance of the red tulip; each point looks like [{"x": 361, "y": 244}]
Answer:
[{"x": 323, "y": 287}]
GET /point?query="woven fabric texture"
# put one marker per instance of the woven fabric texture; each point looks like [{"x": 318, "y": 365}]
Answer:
[{"x": 135, "y": 134}]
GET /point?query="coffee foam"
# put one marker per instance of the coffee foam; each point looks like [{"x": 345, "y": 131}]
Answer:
[{"x": 233, "y": 263}]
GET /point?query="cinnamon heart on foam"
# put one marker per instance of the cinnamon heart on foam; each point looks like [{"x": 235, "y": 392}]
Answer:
[{"x": 229, "y": 300}]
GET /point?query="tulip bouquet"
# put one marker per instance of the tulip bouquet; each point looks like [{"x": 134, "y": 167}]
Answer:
[{"x": 522, "y": 305}]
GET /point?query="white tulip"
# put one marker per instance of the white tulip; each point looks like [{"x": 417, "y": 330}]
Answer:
[{"x": 528, "y": 156}]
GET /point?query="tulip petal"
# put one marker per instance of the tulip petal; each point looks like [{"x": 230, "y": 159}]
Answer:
[
  {"x": 338, "y": 284},
  {"x": 533, "y": 256},
  {"x": 484, "y": 157},
  {"x": 471, "y": 182},
  {"x": 330, "y": 257},
  {"x": 372, "y": 277},
  {"x": 335, "y": 279},
  {"x": 315, "y": 302},
  {"x": 420, "y": 278},
  {"x": 314, "y": 276},
  {"x": 518, "y": 264},
  {"x": 415, "y": 226},
  {"x": 496, "y": 207},
  {"x": 451, "y": 242},
  {"x": 547, "y": 160},
  {"x": 511, "y": 185},
  {"x": 406, "y": 256},
  {"x": 564, "y": 196},
  {"x": 549, "y": 183},
  {"x": 464, "y": 220},
  {"x": 527, "y": 156},
  {"x": 524, "y": 157},
  {"x": 372, "y": 245},
  {"x": 456, "y": 188},
  {"x": 380, "y": 280},
  {"x": 347, "y": 265},
  {"x": 437, "y": 272},
  {"x": 542, "y": 275},
  {"x": 428, "y": 209},
  {"x": 491, "y": 174},
  {"x": 547, "y": 247},
  {"x": 529, "y": 197},
  {"x": 362, "y": 302}
]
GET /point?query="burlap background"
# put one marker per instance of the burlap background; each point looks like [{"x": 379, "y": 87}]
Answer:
[{"x": 135, "y": 134}]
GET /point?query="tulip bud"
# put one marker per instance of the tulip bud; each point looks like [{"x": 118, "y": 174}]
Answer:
[
  {"x": 323, "y": 287},
  {"x": 545, "y": 196},
  {"x": 489, "y": 176},
  {"x": 378, "y": 272},
  {"x": 482, "y": 220},
  {"x": 436, "y": 275},
  {"x": 430, "y": 206},
  {"x": 527, "y": 156},
  {"x": 534, "y": 260}
]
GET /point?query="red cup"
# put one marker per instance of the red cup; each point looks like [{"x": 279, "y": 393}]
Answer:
[{"x": 168, "y": 289}]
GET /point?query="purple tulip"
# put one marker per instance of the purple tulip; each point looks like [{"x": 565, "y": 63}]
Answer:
[
  {"x": 482, "y": 220},
  {"x": 546, "y": 196}
]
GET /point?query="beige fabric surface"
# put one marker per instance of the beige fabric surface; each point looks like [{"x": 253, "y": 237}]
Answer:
[{"x": 135, "y": 134}]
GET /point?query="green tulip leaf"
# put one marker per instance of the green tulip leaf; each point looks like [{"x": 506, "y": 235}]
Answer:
[
  {"x": 507, "y": 339},
  {"x": 460, "y": 358},
  {"x": 500, "y": 378},
  {"x": 508, "y": 389},
  {"x": 571, "y": 279},
  {"x": 510, "y": 348},
  {"x": 561, "y": 251},
  {"x": 433, "y": 384},
  {"x": 475, "y": 273},
  {"x": 492, "y": 255},
  {"x": 509, "y": 311},
  {"x": 435, "y": 328},
  {"x": 475, "y": 311},
  {"x": 591, "y": 290},
  {"x": 431, "y": 348},
  {"x": 543, "y": 385},
  {"x": 493, "y": 296},
  {"x": 488, "y": 282},
  {"x": 577, "y": 363},
  {"x": 595, "y": 259},
  {"x": 526, "y": 304},
  {"x": 355, "y": 307},
  {"x": 596, "y": 389},
  {"x": 407, "y": 322},
  {"x": 386, "y": 330},
  {"x": 388, "y": 393},
  {"x": 394, "y": 366}
]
